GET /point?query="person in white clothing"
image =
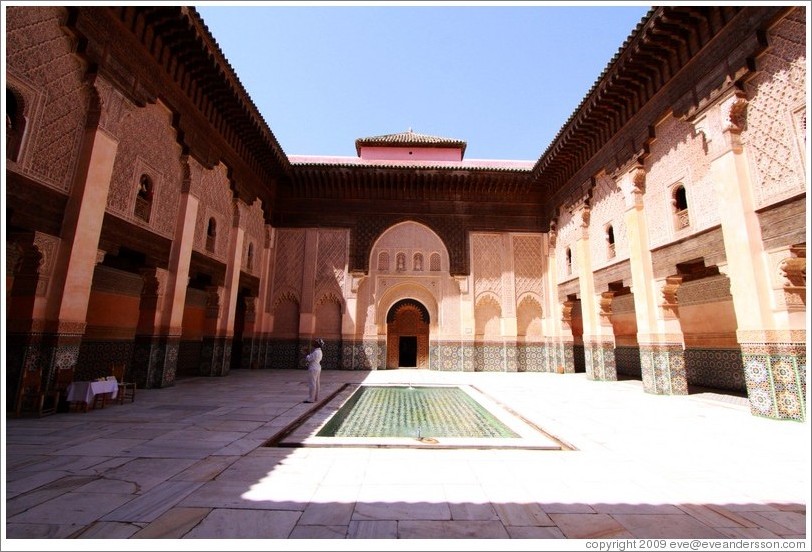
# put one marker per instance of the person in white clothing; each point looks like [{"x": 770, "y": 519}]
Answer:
[{"x": 314, "y": 370}]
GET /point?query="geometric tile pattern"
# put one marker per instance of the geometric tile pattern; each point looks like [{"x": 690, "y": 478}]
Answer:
[
  {"x": 95, "y": 358},
  {"x": 627, "y": 361},
  {"x": 284, "y": 354},
  {"x": 715, "y": 368},
  {"x": 775, "y": 374},
  {"x": 215, "y": 356},
  {"x": 599, "y": 359},
  {"x": 489, "y": 357},
  {"x": 663, "y": 369},
  {"x": 530, "y": 358}
]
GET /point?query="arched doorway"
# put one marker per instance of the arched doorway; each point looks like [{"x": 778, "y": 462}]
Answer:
[{"x": 407, "y": 335}]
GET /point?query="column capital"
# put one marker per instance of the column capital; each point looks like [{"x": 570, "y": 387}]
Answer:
[{"x": 632, "y": 184}]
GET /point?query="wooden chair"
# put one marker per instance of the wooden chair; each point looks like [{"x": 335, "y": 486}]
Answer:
[
  {"x": 32, "y": 399},
  {"x": 64, "y": 377},
  {"x": 126, "y": 390}
]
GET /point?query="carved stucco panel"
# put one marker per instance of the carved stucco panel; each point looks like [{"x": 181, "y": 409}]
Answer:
[
  {"x": 215, "y": 203},
  {"x": 253, "y": 223},
  {"x": 148, "y": 145},
  {"x": 527, "y": 264},
  {"x": 487, "y": 263},
  {"x": 408, "y": 239},
  {"x": 771, "y": 136},
  {"x": 331, "y": 263},
  {"x": 678, "y": 156},
  {"x": 288, "y": 265},
  {"x": 40, "y": 54},
  {"x": 568, "y": 231},
  {"x": 608, "y": 208}
]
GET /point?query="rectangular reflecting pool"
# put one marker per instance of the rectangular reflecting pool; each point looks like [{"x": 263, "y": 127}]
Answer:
[
  {"x": 420, "y": 412},
  {"x": 434, "y": 416}
]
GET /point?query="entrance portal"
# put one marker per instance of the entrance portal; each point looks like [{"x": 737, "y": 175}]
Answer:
[
  {"x": 407, "y": 335},
  {"x": 407, "y": 351}
]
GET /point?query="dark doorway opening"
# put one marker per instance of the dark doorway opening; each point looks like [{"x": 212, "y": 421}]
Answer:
[{"x": 407, "y": 351}]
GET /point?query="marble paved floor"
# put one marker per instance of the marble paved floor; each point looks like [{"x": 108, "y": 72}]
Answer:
[{"x": 188, "y": 462}]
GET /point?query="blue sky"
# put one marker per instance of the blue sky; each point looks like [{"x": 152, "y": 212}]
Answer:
[{"x": 504, "y": 78}]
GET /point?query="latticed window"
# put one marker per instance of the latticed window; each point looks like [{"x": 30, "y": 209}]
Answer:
[
  {"x": 401, "y": 262},
  {"x": 418, "y": 261},
  {"x": 679, "y": 201},
  {"x": 434, "y": 262},
  {"x": 143, "y": 199},
  {"x": 610, "y": 242},
  {"x": 383, "y": 261},
  {"x": 211, "y": 235},
  {"x": 249, "y": 260}
]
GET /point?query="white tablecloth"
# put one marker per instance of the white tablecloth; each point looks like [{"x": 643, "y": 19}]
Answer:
[{"x": 84, "y": 391}]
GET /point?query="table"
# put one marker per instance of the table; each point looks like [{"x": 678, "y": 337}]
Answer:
[{"x": 86, "y": 391}]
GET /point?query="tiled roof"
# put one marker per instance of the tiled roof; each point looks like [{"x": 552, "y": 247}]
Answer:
[{"x": 410, "y": 138}]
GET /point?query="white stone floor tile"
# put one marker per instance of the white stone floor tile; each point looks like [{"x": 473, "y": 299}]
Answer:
[
  {"x": 451, "y": 530},
  {"x": 372, "y": 529},
  {"x": 245, "y": 524},
  {"x": 189, "y": 462}
]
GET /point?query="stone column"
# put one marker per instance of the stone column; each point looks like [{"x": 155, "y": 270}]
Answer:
[
  {"x": 31, "y": 259},
  {"x": 67, "y": 296},
  {"x": 307, "y": 319},
  {"x": 508, "y": 323},
  {"x": 771, "y": 331},
  {"x": 150, "y": 356},
  {"x": 349, "y": 324},
  {"x": 662, "y": 356},
  {"x": 599, "y": 349},
  {"x": 558, "y": 354},
  {"x": 464, "y": 355},
  {"x": 157, "y": 342},
  {"x": 262, "y": 325},
  {"x": 215, "y": 352},
  {"x": 218, "y": 338},
  {"x": 250, "y": 340}
]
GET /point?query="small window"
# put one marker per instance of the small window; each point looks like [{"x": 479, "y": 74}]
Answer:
[
  {"x": 383, "y": 261},
  {"x": 679, "y": 202},
  {"x": 610, "y": 242},
  {"x": 434, "y": 262},
  {"x": 211, "y": 235},
  {"x": 143, "y": 199},
  {"x": 418, "y": 262},
  {"x": 569, "y": 261},
  {"x": 249, "y": 261},
  {"x": 401, "y": 262}
]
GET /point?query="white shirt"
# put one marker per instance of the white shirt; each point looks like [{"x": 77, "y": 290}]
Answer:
[{"x": 314, "y": 359}]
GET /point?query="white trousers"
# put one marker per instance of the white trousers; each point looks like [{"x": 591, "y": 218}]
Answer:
[{"x": 313, "y": 383}]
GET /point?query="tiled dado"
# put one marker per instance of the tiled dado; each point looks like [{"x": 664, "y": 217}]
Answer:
[
  {"x": 775, "y": 374},
  {"x": 715, "y": 368},
  {"x": 663, "y": 369},
  {"x": 627, "y": 362},
  {"x": 155, "y": 361},
  {"x": 215, "y": 356},
  {"x": 599, "y": 360}
]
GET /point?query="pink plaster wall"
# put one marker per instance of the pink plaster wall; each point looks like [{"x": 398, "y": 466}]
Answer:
[
  {"x": 194, "y": 318},
  {"x": 411, "y": 153},
  {"x": 113, "y": 311}
]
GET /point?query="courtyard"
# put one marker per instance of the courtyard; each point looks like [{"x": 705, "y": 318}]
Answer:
[{"x": 193, "y": 461}]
